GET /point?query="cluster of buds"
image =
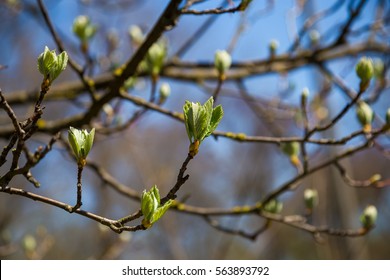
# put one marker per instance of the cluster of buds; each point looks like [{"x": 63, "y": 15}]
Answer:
[
  {"x": 151, "y": 206},
  {"x": 200, "y": 121},
  {"x": 51, "y": 65},
  {"x": 222, "y": 62},
  {"x": 81, "y": 143}
]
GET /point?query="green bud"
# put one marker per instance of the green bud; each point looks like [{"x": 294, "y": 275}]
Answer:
[
  {"x": 83, "y": 28},
  {"x": 200, "y": 121},
  {"x": 369, "y": 216},
  {"x": 136, "y": 35},
  {"x": 81, "y": 143},
  {"x": 274, "y": 207},
  {"x": 155, "y": 58},
  {"x": 365, "y": 69},
  {"x": 50, "y": 65},
  {"x": 290, "y": 148},
  {"x": 165, "y": 91},
  {"x": 365, "y": 115},
  {"x": 305, "y": 93},
  {"x": 273, "y": 46},
  {"x": 149, "y": 204},
  {"x": 314, "y": 36},
  {"x": 311, "y": 198},
  {"x": 222, "y": 62},
  {"x": 151, "y": 208}
]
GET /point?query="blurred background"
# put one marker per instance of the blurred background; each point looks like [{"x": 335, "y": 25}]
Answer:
[{"x": 225, "y": 173}]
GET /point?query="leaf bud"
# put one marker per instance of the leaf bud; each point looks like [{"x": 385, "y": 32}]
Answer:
[
  {"x": 365, "y": 116},
  {"x": 50, "y": 65},
  {"x": 365, "y": 71},
  {"x": 222, "y": 62},
  {"x": 273, "y": 46},
  {"x": 311, "y": 198},
  {"x": 369, "y": 216}
]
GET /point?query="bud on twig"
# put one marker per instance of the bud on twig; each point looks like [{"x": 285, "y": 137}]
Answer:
[
  {"x": 273, "y": 46},
  {"x": 274, "y": 207},
  {"x": 311, "y": 198},
  {"x": 155, "y": 57},
  {"x": 151, "y": 208},
  {"x": 365, "y": 71},
  {"x": 222, "y": 62},
  {"x": 314, "y": 37},
  {"x": 136, "y": 35},
  {"x": 50, "y": 65},
  {"x": 369, "y": 216},
  {"x": 83, "y": 28},
  {"x": 165, "y": 91},
  {"x": 305, "y": 94},
  {"x": 200, "y": 121},
  {"x": 291, "y": 149},
  {"x": 81, "y": 143},
  {"x": 365, "y": 116}
]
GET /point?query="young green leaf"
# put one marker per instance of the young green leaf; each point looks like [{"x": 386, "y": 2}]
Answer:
[
  {"x": 149, "y": 204},
  {"x": 216, "y": 117},
  {"x": 160, "y": 211}
]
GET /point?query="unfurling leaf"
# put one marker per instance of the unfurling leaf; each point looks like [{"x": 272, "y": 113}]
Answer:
[
  {"x": 151, "y": 208},
  {"x": 200, "y": 121},
  {"x": 50, "y": 65},
  {"x": 81, "y": 142}
]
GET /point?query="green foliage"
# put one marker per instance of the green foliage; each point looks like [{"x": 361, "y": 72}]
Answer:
[
  {"x": 151, "y": 208},
  {"x": 50, "y": 65}
]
